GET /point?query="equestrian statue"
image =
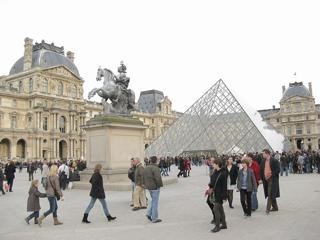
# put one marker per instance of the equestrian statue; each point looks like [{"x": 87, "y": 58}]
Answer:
[{"x": 115, "y": 89}]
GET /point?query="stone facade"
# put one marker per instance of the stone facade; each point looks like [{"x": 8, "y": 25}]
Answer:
[
  {"x": 298, "y": 117},
  {"x": 42, "y": 110},
  {"x": 157, "y": 115}
]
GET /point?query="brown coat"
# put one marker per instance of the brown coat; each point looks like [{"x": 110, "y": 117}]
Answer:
[
  {"x": 33, "y": 199},
  {"x": 55, "y": 182},
  {"x": 138, "y": 177}
]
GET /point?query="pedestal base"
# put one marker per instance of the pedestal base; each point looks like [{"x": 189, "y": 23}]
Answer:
[{"x": 114, "y": 180}]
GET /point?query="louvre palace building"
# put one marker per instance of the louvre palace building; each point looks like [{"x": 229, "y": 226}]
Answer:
[
  {"x": 42, "y": 107},
  {"x": 298, "y": 117}
]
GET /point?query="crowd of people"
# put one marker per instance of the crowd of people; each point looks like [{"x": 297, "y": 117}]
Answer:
[
  {"x": 228, "y": 173},
  {"x": 244, "y": 175}
]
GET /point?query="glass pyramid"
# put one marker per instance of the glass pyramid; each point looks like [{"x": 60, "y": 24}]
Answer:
[{"x": 216, "y": 122}]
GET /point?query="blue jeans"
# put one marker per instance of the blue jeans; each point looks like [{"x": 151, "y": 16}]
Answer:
[
  {"x": 290, "y": 167},
  {"x": 53, "y": 206},
  {"x": 34, "y": 215},
  {"x": 285, "y": 168},
  {"x": 103, "y": 203},
  {"x": 153, "y": 207},
  {"x": 254, "y": 200}
]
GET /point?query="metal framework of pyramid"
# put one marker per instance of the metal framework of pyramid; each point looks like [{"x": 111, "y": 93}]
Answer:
[{"x": 215, "y": 122}]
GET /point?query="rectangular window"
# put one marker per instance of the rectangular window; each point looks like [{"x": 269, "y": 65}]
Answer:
[
  {"x": 297, "y": 107},
  {"x": 153, "y": 133},
  {"x": 30, "y": 85},
  {"x": 13, "y": 122},
  {"x": 289, "y": 131},
  {"x": 309, "y": 129},
  {"x": 45, "y": 124},
  {"x": 152, "y": 120},
  {"x": 299, "y": 129}
]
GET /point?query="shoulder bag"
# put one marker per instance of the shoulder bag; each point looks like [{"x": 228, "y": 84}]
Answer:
[{"x": 56, "y": 194}]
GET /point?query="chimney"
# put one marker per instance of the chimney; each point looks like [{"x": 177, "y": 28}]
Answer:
[
  {"x": 310, "y": 88},
  {"x": 27, "y": 57},
  {"x": 70, "y": 55},
  {"x": 283, "y": 89}
]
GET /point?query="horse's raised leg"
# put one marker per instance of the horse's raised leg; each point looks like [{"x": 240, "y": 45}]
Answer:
[{"x": 93, "y": 92}]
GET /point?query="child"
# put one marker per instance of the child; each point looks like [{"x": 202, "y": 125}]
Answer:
[{"x": 33, "y": 202}]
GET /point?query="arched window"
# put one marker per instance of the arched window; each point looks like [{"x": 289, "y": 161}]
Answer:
[
  {"x": 45, "y": 86},
  {"x": 62, "y": 124},
  {"x": 60, "y": 88}
]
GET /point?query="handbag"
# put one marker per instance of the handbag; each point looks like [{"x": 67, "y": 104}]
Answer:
[
  {"x": 56, "y": 194},
  {"x": 212, "y": 198}
]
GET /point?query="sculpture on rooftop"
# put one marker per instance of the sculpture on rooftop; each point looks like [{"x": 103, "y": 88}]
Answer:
[{"x": 115, "y": 89}]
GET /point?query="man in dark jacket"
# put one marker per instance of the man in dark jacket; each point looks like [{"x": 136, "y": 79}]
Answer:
[
  {"x": 218, "y": 184},
  {"x": 9, "y": 171},
  {"x": 153, "y": 182},
  {"x": 1, "y": 180},
  {"x": 269, "y": 174},
  {"x": 30, "y": 169}
]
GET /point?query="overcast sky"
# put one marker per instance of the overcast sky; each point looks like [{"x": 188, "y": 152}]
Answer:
[{"x": 179, "y": 47}]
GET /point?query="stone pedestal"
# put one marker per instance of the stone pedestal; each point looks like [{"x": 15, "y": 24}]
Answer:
[{"x": 112, "y": 141}]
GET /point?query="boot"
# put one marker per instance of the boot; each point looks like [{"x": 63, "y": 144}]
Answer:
[
  {"x": 56, "y": 221},
  {"x": 110, "y": 218},
  {"x": 85, "y": 218},
  {"x": 40, "y": 219}
]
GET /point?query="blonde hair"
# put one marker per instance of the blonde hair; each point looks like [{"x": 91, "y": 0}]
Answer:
[
  {"x": 53, "y": 170},
  {"x": 34, "y": 183}
]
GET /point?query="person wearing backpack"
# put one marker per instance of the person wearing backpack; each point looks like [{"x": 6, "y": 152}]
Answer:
[{"x": 63, "y": 172}]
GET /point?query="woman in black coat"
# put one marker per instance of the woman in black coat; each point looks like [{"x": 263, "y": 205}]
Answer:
[
  {"x": 97, "y": 192},
  {"x": 232, "y": 175},
  {"x": 9, "y": 171},
  {"x": 218, "y": 185}
]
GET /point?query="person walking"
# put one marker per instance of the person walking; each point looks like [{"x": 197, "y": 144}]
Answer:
[
  {"x": 54, "y": 193},
  {"x": 269, "y": 174},
  {"x": 30, "y": 169},
  {"x": 44, "y": 174},
  {"x": 284, "y": 164},
  {"x": 153, "y": 182},
  {"x": 208, "y": 192},
  {"x": 246, "y": 185},
  {"x": 33, "y": 204},
  {"x": 97, "y": 192},
  {"x": 218, "y": 184},
  {"x": 254, "y": 165},
  {"x": 63, "y": 172},
  {"x": 1, "y": 180},
  {"x": 232, "y": 175},
  {"x": 139, "y": 195},
  {"x": 9, "y": 171},
  {"x": 131, "y": 172}
]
